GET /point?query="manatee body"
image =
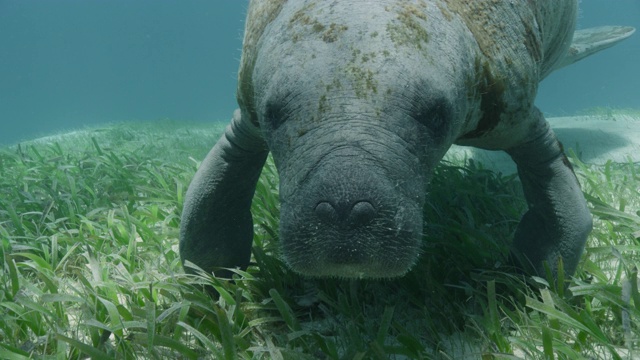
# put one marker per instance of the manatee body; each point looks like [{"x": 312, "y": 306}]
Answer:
[{"x": 358, "y": 101}]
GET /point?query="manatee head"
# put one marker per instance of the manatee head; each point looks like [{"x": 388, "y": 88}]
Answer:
[{"x": 356, "y": 115}]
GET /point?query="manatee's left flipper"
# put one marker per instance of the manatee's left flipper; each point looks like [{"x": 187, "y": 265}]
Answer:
[
  {"x": 558, "y": 221},
  {"x": 216, "y": 228}
]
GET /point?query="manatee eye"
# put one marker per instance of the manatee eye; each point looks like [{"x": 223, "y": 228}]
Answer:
[
  {"x": 435, "y": 116},
  {"x": 273, "y": 115}
]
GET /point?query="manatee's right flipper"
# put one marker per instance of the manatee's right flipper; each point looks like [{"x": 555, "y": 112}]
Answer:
[
  {"x": 589, "y": 41},
  {"x": 217, "y": 228}
]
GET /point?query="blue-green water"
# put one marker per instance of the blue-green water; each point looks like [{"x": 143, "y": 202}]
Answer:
[{"x": 69, "y": 63}]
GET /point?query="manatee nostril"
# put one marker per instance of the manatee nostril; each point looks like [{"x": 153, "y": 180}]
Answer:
[
  {"x": 326, "y": 212},
  {"x": 361, "y": 213}
]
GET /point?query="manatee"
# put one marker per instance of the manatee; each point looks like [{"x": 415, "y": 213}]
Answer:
[{"x": 358, "y": 102}]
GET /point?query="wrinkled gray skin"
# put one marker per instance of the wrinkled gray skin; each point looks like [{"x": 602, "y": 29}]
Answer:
[{"x": 358, "y": 101}]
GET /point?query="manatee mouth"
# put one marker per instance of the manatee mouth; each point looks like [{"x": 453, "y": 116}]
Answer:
[
  {"x": 356, "y": 226},
  {"x": 372, "y": 245}
]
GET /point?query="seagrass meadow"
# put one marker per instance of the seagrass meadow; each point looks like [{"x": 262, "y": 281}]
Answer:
[{"x": 90, "y": 267}]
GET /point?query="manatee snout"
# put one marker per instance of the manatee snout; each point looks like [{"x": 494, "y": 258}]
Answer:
[{"x": 350, "y": 222}]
